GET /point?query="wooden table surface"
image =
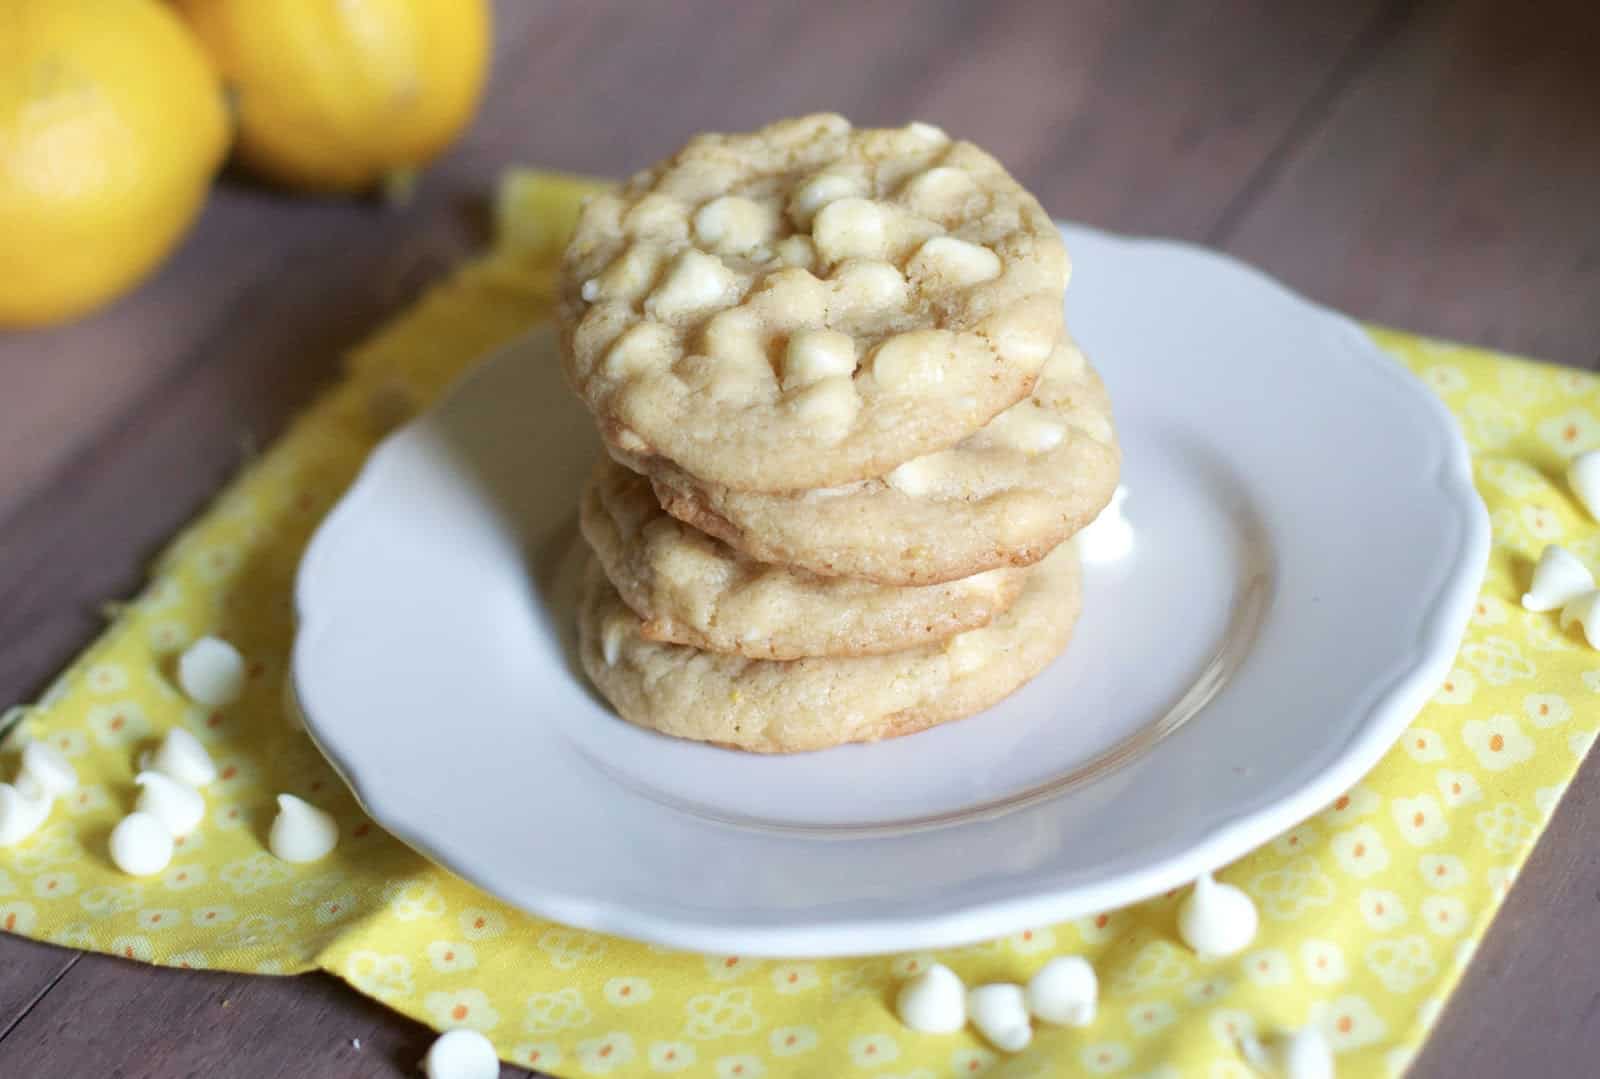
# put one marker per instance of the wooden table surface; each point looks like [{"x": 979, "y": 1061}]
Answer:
[{"x": 1435, "y": 166}]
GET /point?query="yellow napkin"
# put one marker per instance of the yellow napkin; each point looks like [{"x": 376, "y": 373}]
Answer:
[{"x": 1369, "y": 911}]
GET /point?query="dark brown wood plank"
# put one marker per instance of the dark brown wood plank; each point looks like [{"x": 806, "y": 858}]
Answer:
[
  {"x": 1452, "y": 189},
  {"x": 108, "y": 1017},
  {"x": 1530, "y": 1002},
  {"x": 1145, "y": 116},
  {"x": 28, "y": 971}
]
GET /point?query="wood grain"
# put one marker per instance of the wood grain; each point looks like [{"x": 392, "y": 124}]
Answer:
[
  {"x": 1433, "y": 166},
  {"x": 1451, "y": 190},
  {"x": 109, "y": 1017}
]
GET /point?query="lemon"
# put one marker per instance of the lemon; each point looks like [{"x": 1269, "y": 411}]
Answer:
[
  {"x": 342, "y": 95},
  {"x": 111, "y": 127}
]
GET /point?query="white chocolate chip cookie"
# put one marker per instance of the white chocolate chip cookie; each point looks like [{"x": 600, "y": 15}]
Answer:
[
  {"x": 691, "y": 589},
  {"x": 773, "y": 707},
  {"x": 1004, "y": 496},
  {"x": 809, "y": 304}
]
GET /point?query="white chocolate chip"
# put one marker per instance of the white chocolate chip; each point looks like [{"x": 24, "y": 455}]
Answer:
[
  {"x": 301, "y": 832},
  {"x": 612, "y": 635},
  {"x": 819, "y": 191},
  {"x": 822, "y": 494},
  {"x": 735, "y": 335},
  {"x": 1217, "y": 919},
  {"x": 1001, "y": 1016},
  {"x": 915, "y": 477},
  {"x": 1307, "y": 1055},
  {"x": 1583, "y": 475},
  {"x": 1558, "y": 579},
  {"x": 1064, "y": 992},
  {"x": 629, "y": 276},
  {"x": 1095, "y": 426},
  {"x": 829, "y": 407},
  {"x": 792, "y": 298},
  {"x": 1064, "y": 364},
  {"x": 211, "y": 672},
  {"x": 954, "y": 262},
  {"x": 657, "y": 215},
  {"x": 850, "y": 228},
  {"x": 1109, "y": 536},
  {"x": 966, "y": 651},
  {"x": 1019, "y": 338},
  {"x": 797, "y": 250},
  {"x": 813, "y": 355},
  {"x": 927, "y": 133},
  {"x": 1303, "y": 1054},
  {"x": 911, "y": 362},
  {"x": 643, "y": 348},
  {"x": 461, "y": 1054},
  {"x": 986, "y": 583},
  {"x": 1022, "y": 428},
  {"x": 870, "y": 286},
  {"x": 934, "y": 1002},
  {"x": 1584, "y": 610},
  {"x": 46, "y": 770},
  {"x": 697, "y": 283},
  {"x": 171, "y": 801},
  {"x": 141, "y": 845},
  {"x": 21, "y": 813},
  {"x": 939, "y": 187},
  {"x": 734, "y": 224},
  {"x": 182, "y": 757}
]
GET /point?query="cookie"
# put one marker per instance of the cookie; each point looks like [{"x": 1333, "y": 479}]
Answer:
[
  {"x": 776, "y": 707},
  {"x": 1005, "y": 496},
  {"x": 691, "y": 589},
  {"x": 809, "y": 304}
]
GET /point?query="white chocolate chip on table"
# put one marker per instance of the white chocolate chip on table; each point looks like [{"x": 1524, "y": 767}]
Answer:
[
  {"x": 301, "y": 832},
  {"x": 1000, "y": 1013},
  {"x": 141, "y": 844},
  {"x": 1583, "y": 476},
  {"x": 1558, "y": 578},
  {"x": 461, "y": 1054},
  {"x": 1217, "y": 919},
  {"x": 1301, "y": 1054},
  {"x": 21, "y": 813},
  {"x": 1064, "y": 992},
  {"x": 182, "y": 757},
  {"x": 1585, "y": 611},
  {"x": 45, "y": 771},
  {"x": 25, "y": 804},
  {"x": 933, "y": 1002},
  {"x": 172, "y": 801},
  {"x": 211, "y": 672}
]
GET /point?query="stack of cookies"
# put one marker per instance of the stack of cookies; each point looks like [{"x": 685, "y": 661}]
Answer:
[{"x": 847, "y": 433}]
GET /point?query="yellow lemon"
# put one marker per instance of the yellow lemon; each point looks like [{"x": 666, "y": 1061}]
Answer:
[
  {"x": 338, "y": 95},
  {"x": 111, "y": 127}
]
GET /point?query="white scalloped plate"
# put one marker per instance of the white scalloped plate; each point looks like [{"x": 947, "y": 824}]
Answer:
[{"x": 1309, "y": 546}]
